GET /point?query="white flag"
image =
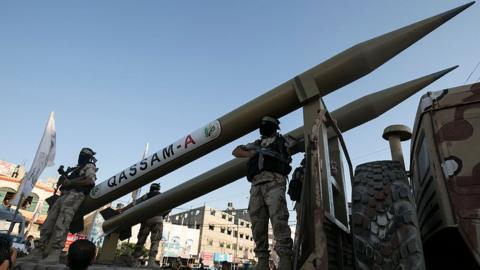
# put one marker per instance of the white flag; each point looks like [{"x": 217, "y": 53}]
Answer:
[
  {"x": 43, "y": 158},
  {"x": 37, "y": 212},
  {"x": 137, "y": 191}
]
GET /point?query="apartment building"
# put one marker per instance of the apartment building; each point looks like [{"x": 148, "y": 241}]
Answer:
[{"x": 223, "y": 236}]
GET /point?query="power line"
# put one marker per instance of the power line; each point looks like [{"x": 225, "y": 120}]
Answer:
[{"x": 471, "y": 73}]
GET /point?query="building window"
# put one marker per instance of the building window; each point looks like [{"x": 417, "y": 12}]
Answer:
[
  {"x": 186, "y": 215},
  {"x": 210, "y": 242},
  {"x": 224, "y": 216},
  {"x": 176, "y": 217},
  {"x": 6, "y": 194},
  {"x": 211, "y": 227},
  {"x": 197, "y": 226},
  {"x": 222, "y": 230},
  {"x": 246, "y": 237},
  {"x": 248, "y": 225},
  {"x": 240, "y": 248},
  {"x": 30, "y": 203},
  {"x": 242, "y": 223},
  {"x": 230, "y": 218},
  {"x": 212, "y": 212},
  {"x": 229, "y": 245},
  {"x": 221, "y": 244},
  {"x": 241, "y": 235},
  {"x": 235, "y": 234},
  {"x": 197, "y": 212}
]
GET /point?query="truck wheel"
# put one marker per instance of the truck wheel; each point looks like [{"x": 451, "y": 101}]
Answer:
[{"x": 384, "y": 218}]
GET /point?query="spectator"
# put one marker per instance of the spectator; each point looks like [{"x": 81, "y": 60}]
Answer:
[
  {"x": 81, "y": 255},
  {"x": 6, "y": 203},
  {"x": 29, "y": 243},
  {"x": 8, "y": 255}
]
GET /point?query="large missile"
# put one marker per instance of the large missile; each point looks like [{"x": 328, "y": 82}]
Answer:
[
  {"x": 330, "y": 75},
  {"x": 348, "y": 117}
]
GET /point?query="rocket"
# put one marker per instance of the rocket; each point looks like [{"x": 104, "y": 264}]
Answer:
[
  {"x": 328, "y": 76},
  {"x": 348, "y": 117}
]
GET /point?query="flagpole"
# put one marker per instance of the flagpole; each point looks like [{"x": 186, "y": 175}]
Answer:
[
  {"x": 137, "y": 191},
  {"x": 12, "y": 223},
  {"x": 35, "y": 216}
]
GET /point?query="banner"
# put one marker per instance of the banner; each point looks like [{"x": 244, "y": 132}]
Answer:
[{"x": 43, "y": 158}]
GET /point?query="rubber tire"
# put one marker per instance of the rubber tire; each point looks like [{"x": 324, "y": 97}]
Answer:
[{"x": 384, "y": 218}]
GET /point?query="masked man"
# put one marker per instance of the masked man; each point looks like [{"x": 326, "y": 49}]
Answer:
[
  {"x": 55, "y": 228},
  {"x": 268, "y": 168},
  {"x": 153, "y": 226}
]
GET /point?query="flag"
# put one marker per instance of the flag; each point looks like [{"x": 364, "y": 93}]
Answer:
[
  {"x": 43, "y": 158},
  {"x": 37, "y": 212},
  {"x": 137, "y": 191}
]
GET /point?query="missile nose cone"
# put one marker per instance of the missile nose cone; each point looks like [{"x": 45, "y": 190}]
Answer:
[
  {"x": 400, "y": 39},
  {"x": 367, "y": 108},
  {"x": 414, "y": 86},
  {"x": 441, "y": 73},
  {"x": 365, "y": 57},
  {"x": 447, "y": 15}
]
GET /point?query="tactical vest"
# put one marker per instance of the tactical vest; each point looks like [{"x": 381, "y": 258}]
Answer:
[
  {"x": 77, "y": 173},
  {"x": 278, "y": 163}
]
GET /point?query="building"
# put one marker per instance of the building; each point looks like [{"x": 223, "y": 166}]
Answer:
[
  {"x": 10, "y": 177},
  {"x": 242, "y": 213},
  {"x": 223, "y": 236},
  {"x": 177, "y": 241}
]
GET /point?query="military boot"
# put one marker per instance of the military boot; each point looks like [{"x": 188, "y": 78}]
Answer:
[
  {"x": 152, "y": 263},
  {"x": 285, "y": 263},
  {"x": 52, "y": 258},
  {"x": 34, "y": 256},
  {"x": 262, "y": 264}
]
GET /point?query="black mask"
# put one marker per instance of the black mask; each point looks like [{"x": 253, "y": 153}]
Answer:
[
  {"x": 83, "y": 159},
  {"x": 267, "y": 129},
  {"x": 153, "y": 193}
]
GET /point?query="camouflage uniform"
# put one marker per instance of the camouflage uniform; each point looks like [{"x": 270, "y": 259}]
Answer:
[
  {"x": 154, "y": 226},
  {"x": 267, "y": 201},
  {"x": 60, "y": 215},
  {"x": 156, "y": 230}
]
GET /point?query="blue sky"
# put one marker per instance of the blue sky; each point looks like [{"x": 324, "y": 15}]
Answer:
[{"x": 119, "y": 74}]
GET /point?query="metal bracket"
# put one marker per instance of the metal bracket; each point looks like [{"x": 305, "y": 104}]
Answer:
[{"x": 306, "y": 88}]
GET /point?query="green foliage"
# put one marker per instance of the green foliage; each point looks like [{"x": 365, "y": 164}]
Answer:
[{"x": 126, "y": 249}]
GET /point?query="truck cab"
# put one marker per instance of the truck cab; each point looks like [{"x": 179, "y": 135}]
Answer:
[{"x": 445, "y": 176}]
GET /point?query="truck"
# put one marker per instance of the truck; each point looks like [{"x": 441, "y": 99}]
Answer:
[{"x": 429, "y": 216}]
